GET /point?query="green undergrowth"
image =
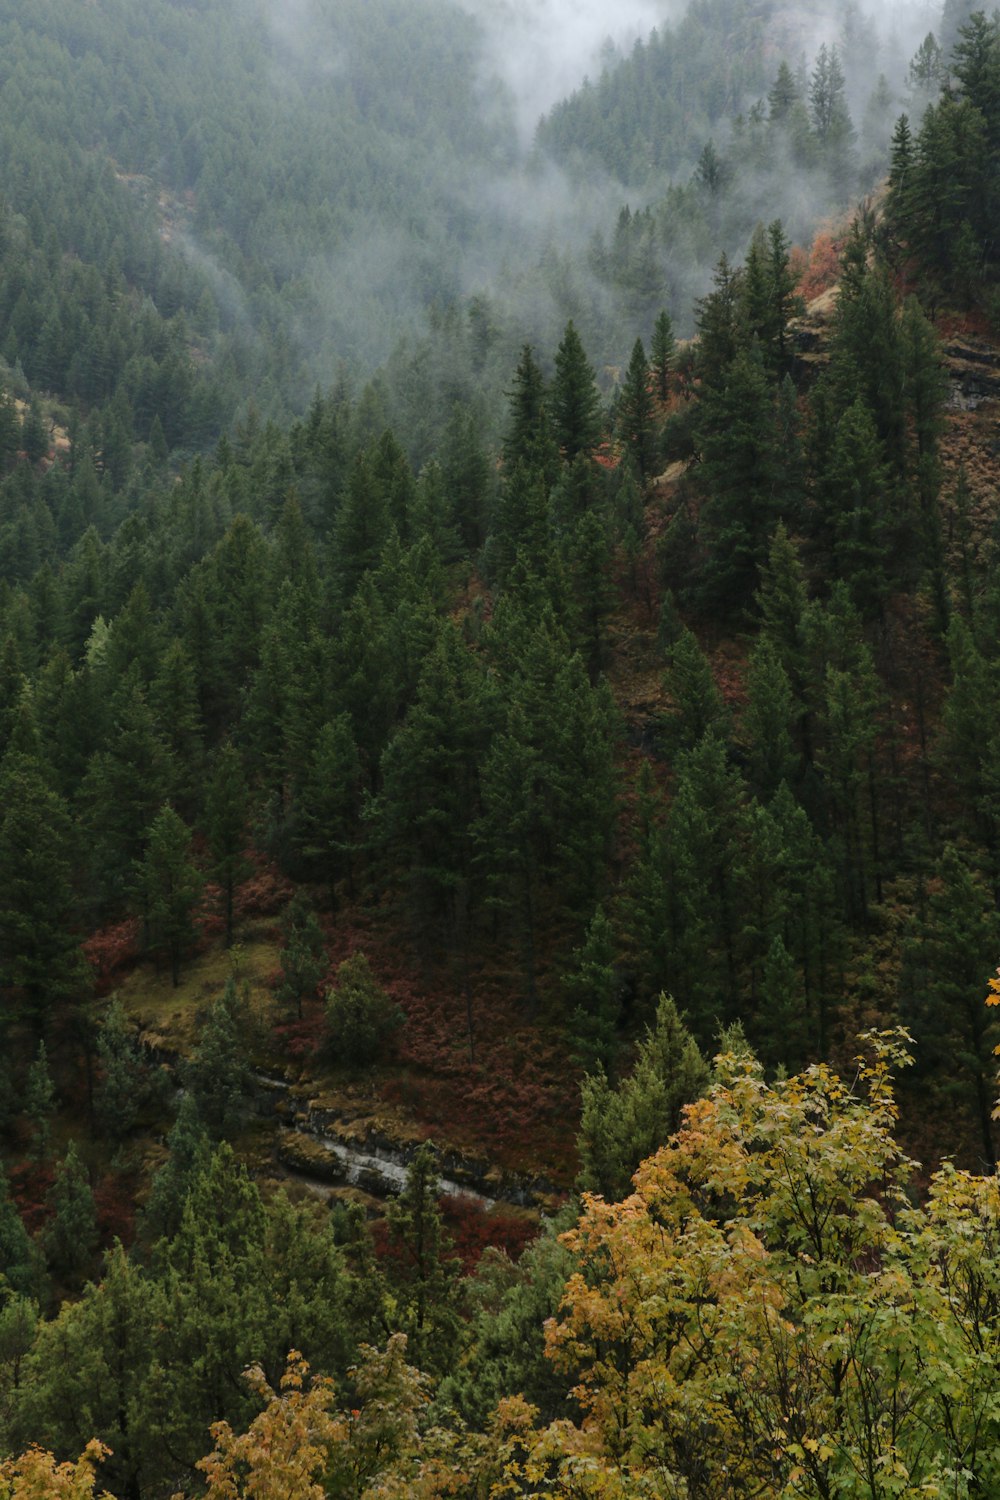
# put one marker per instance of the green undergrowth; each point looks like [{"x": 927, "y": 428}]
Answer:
[{"x": 170, "y": 1017}]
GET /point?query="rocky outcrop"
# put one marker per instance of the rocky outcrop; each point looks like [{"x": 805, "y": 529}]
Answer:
[
  {"x": 307, "y": 1157},
  {"x": 334, "y": 1142},
  {"x": 973, "y": 372}
]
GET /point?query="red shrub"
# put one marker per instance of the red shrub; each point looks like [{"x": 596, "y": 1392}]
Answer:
[{"x": 111, "y": 952}]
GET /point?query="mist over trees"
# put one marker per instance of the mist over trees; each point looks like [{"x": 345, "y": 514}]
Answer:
[{"x": 498, "y": 653}]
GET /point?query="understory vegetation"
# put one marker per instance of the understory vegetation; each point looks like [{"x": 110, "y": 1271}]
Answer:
[{"x": 551, "y": 747}]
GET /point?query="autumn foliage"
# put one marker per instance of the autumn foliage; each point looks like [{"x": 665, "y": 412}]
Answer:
[
  {"x": 819, "y": 268},
  {"x": 37, "y": 1476},
  {"x": 769, "y": 1314}
]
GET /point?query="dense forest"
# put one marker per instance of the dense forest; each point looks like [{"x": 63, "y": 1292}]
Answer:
[{"x": 499, "y": 821}]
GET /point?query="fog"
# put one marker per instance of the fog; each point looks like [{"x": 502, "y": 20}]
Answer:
[
  {"x": 527, "y": 213},
  {"x": 543, "y": 49}
]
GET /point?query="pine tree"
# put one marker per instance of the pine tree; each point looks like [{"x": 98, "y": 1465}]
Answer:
[
  {"x": 173, "y": 701},
  {"x": 40, "y": 1103},
  {"x": 634, "y": 413},
  {"x": 189, "y": 1148},
  {"x": 467, "y": 477},
  {"x": 529, "y": 442},
  {"x": 327, "y": 804},
  {"x": 720, "y": 330},
  {"x": 128, "y": 1084},
  {"x": 70, "y": 1237},
  {"x": 303, "y": 955},
  {"x": 663, "y": 352},
  {"x": 18, "y": 1259},
  {"x": 219, "y": 1075},
  {"x": 698, "y": 708},
  {"x": 170, "y": 888},
  {"x": 573, "y": 401},
  {"x": 704, "y": 832},
  {"x": 831, "y": 120},
  {"x": 620, "y": 1127},
  {"x": 590, "y": 555},
  {"x": 848, "y": 727},
  {"x": 421, "y": 1267},
  {"x": 782, "y": 95},
  {"x": 520, "y": 526},
  {"x": 741, "y": 475},
  {"x": 124, "y": 787},
  {"x": 949, "y": 950},
  {"x": 40, "y": 958},
  {"x": 779, "y": 1016},
  {"x": 593, "y": 989},
  {"x": 361, "y": 1018},
  {"x": 770, "y": 720},
  {"x": 856, "y": 483},
  {"x": 431, "y": 788},
  {"x": 226, "y": 827}
]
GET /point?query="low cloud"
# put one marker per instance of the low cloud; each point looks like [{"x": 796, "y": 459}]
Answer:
[{"x": 543, "y": 49}]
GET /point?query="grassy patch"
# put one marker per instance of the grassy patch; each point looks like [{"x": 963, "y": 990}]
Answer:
[{"x": 170, "y": 1017}]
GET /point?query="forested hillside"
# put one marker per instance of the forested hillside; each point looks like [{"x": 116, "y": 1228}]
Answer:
[{"x": 498, "y": 807}]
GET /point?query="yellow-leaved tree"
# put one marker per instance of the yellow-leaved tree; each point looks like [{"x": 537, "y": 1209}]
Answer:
[
  {"x": 301, "y": 1447},
  {"x": 37, "y": 1476},
  {"x": 770, "y": 1315}
]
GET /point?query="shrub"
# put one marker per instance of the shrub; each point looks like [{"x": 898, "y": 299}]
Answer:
[{"x": 361, "y": 1019}]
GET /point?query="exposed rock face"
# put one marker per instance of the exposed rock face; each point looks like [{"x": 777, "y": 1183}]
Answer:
[
  {"x": 973, "y": 372},
  {"x": 331, "y": 1142},
  {"x": 304, "y": 1153}
]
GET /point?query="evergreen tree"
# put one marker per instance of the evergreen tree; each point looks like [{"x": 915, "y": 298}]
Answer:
[
  {"x": 467, "y": 478},
  {"x": 303, "y": 955},
  {"x": 70, "y": 1237},
  {"x": 421, "y": 1268},
  {"x": 520, "y": 526},
  {"x": 704, "y": 833},
  {"x": 698, "y": 708},
  {"x": 770, "y": 720},
  {"x": 663, "y": 351},
  {"x": 593, "y": 988},
  {"x": 510, "y": 1303},
  {"x": 741, "y": 474},
  {"x": 188, "y": 1149},
  {"x": 219, "y": 1075},
  {"x": 123, "y": 790},
  {"x": 620, "y": 1127},
  {"x": 720, "y": 331},
  {"x": 361, "y": 1018},
  {"x": 949, "y": 950},
  {"x": 431, "y": 789},
  {"x": 529, "y": 442},
  {"x": 226, "y": 827},
  {"x": 856, "y": 483},
  {"x": 782, "y": 95},
  {"x": 846, "y": 755},
  {"x": 831, "y": 120},
  {"x": 40, "y": 958},
  {"x": 587, "y": 547},
  {"x": 18, "y": 1259},
  {"x": 634, "y": 413},
  {"x": 362, "y": 526},
  {"x": 127, "y": 1084},
  {"x": 573, "y": 400},
  {"x": 170, "y": 888},
  {"x": 779, "y": 1015},
  {"x": 327, "y": 804},
  {"x": 173, "y": 701},
  {"x": 40, "y": 1103},
  {"x": 87, "y": 1373}
]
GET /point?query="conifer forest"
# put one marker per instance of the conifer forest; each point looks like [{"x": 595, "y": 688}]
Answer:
[{"x": 499, "y": 776}]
